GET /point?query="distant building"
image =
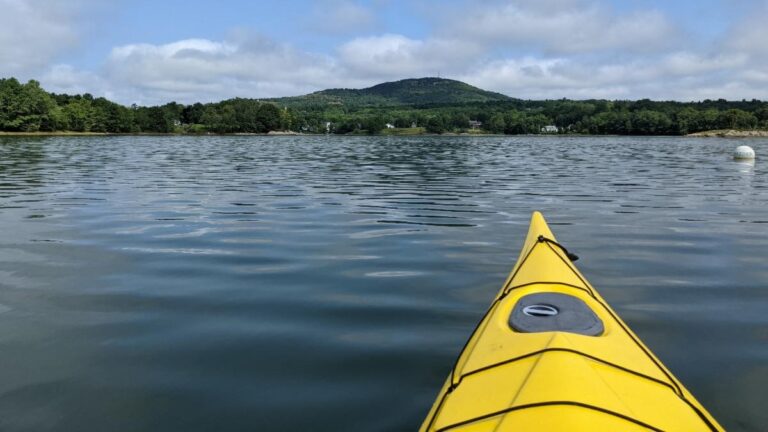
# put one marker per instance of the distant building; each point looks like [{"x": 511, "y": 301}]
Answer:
[
  {"x": 474, "y": 124},
  {"x": 390, "y": 126},
  {"x": 413, "y": 124},
  {"x": 549, "y": 129},
  {"x": 327, "y": 127}
]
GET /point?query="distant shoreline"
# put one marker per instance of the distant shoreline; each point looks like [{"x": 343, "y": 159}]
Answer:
[
  {"x": 92, "y": 134},
  {"x": 719, "y": 133},
  {"x": 272, "y": 133},
  {"x": 428, "y": 105},
  {"x": 25, "y": 134}
]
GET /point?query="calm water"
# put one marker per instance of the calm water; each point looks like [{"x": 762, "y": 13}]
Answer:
[{"x": 327, "y": 284}]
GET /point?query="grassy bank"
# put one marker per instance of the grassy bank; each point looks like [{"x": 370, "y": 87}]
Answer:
[{"x": 404, "y": 131}]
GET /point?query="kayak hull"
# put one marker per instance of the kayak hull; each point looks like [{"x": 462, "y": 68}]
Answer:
[{"x": 550, "y": 354}]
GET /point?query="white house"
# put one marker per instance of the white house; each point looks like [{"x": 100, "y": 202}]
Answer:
[{"x": 549, "y": 129}]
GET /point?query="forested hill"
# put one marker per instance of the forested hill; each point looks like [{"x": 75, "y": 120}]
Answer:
[
  {"x": 416, "y": 91},
  {"x": 415, "y": 106}
]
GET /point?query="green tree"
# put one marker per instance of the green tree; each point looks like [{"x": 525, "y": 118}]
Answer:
[
  {"x": 534, "y": 122},
  {"x": 567, "y": 113},
  {"x": 516, "y": 123},
  {"x": 78, "y": 115},
  {"x": 192, "y": 114},
  {"x": 687, "y": 120},
  {"x": 496, "y": 123},
  {"x": 737, "y": 119},
  {"x": 59, "y": 119},
  {"x": 435, "y": 124},
  {"x": 247, "y": 118},
  {"x": 219, "y": 118},
  {"x": 25, "y": 107},
  {"x": 159, "y": 120},
  {"x": 287, "y": 119},
  {"x": 459, "y": 120},
  {"x": 269, "y": 116},
  {"x": 373, "y": 124},
  {"x": 709, "y": 119},
  {"x": 647, "y": 122}
]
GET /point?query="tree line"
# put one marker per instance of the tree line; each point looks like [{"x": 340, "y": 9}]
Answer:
[{"x": 29, "y": 108}]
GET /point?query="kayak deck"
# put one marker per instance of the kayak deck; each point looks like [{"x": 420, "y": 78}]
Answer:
[{"x": 550, "y": 354}]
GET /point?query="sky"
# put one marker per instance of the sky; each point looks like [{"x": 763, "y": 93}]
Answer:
[{"x": 153, "y": 52}]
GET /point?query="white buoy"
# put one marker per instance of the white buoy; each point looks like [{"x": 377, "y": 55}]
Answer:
[{"x": 743, "y": 153}]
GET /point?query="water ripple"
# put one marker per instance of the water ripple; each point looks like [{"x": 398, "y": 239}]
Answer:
[{"x": 200, "y": 283}]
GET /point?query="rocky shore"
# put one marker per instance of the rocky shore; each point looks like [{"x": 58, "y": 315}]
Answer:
[{"x": 732, "y": 133}]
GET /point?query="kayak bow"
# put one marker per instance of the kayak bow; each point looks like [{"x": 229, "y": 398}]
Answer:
[{"x": 551, "y": 355}]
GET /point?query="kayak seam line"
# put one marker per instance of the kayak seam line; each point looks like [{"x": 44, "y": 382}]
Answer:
[
  {"x": 517, "y": 268},
  {"x": 583, "y": 354},
  {"x": 481, "y": 324},
  {"x": 510, "y": 289},
  {"x": 550, "y": 403},
  {"x": 521, "y": 388},
  {"x": 486, "y": 315},
  {"x": 637, "y": 342},
  {"x": 451, "y": 385},
  {"x": 628, "y": 332},
  {"x": 573, "y": 269}
]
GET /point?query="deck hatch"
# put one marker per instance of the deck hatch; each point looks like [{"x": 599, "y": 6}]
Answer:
[{"x": 544, "y": 312}]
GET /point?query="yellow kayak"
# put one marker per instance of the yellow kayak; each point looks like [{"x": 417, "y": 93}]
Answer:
[{"x": 551, "y": 355}]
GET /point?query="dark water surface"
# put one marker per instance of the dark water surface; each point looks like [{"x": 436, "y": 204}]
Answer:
[{"x": 327, "y": 284}]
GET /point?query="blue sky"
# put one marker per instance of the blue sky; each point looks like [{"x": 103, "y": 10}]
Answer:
[{"x": 150, "y": 52}]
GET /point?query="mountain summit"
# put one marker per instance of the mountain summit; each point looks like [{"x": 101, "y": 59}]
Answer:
[{"x": 415, "y": 91}]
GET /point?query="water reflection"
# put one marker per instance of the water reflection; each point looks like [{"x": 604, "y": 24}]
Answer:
[
  {"x": 321, "y": 283},
  {"x": 746, "y": 166}
]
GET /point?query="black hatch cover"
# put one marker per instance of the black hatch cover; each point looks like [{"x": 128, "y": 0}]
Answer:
[{"x": 544, "y": 312}]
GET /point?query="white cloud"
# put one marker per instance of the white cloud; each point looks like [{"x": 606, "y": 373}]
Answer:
[
  {"x": 34, "y": 32},
  {"x": 204, "y": 70},
  {"x": 679, "y": 75},
  {"x": 560, "y": 26},
  {"x": 64, "y": 78},
  {"x": 534, "y": 78},
  {"x": 395, "y": 56},
  {"x": 750, "y": 35},
  {"x": 524, "y": 48}
]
